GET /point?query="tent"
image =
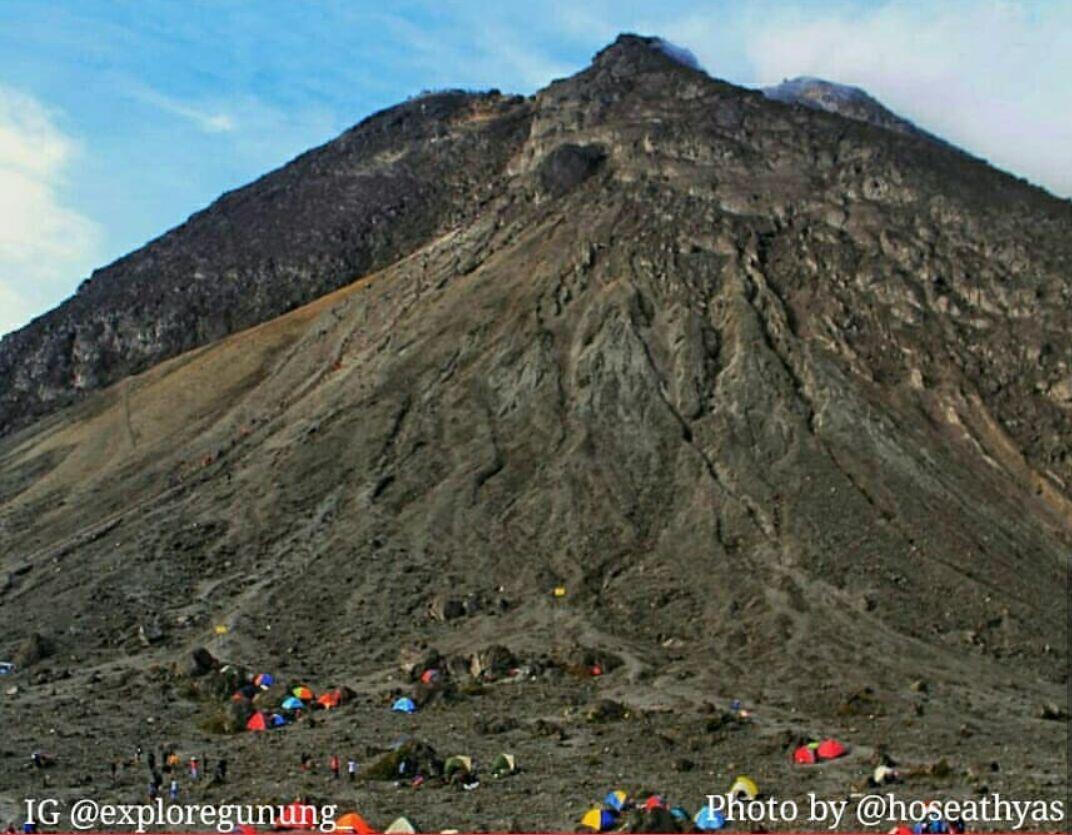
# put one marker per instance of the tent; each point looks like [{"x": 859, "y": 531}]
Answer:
[
  {"x": 292, "y": 703},
  {"x": 277, "y": 721},
  {"x": 502, "y": 765},
  {"x": 804, "y": 755},
  {"x": 599, "y": 820},
  {"x": 457, "y": 763},
  {"x": 264, "y": 680},
  {"x": 616, "y": 800},
  {"x": 709, "y": 820},
  {"x": 655, "y": 801},
  {"x": 746, "y": 786},
  {"x": 430, "y": 676},
  {"x": 404, "y": 705},
  {"x": 332, "y": 698},
  {"x": 401, "y": 826},
  {"x": 303, "y": 693},
  {"x": 830, "y": 749},
  {"x": 679, "y": 814},
  {"x": 257, "y": 722},
  {"x": 353, "y": 822}
]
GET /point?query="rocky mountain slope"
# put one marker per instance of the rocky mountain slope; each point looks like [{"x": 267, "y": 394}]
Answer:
[
  {"x": 782, "y": 400},
  {"x": 354, "y": 205}
]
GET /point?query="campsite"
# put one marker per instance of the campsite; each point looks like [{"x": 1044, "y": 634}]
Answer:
[{"x": 494, "y": 740}]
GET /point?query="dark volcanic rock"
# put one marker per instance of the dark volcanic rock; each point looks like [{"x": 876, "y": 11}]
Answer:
[{"x": 332, "y": 215}]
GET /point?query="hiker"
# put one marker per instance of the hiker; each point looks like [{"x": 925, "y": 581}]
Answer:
[
  {"x": 154, "y": 791},
  {"x": 174, "y": 790},
  {"x": 306, "y": 762},
  {"x": 115, "y": 771},
  {"x": 351, "y": 769},
  {"x": 221, "y": 770},
  {"x": 333, "y": 763},
  {"x": 193, "y": 769},
  {"x": 150, "y": 761}
]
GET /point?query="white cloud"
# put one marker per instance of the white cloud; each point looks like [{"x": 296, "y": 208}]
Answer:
[
  {"x": 203, "y": 119},
  {"x": 992, "y": 77},
  {"x": 44, "y": 245}
]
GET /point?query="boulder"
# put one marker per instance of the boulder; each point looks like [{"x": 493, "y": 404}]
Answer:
[
  {"x": 411, "y": 758},
  {"x": 493, "y": 662},
  {"x": 35, "y": 647},
  {"x": 201, "y": 662}
]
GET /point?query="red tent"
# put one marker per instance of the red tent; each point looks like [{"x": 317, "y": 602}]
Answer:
[
  {"x": 804, "y": 755},
  {"x": 257, "y": 722},
  {"x": 830, "y": 749},
  {"x": 330, "y": 699},
  {"x": 430, "y": 676},
  {"x": 654, "y": 802}
]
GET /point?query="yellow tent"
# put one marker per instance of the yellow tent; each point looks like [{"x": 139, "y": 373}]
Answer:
[
  {"x": 746, "y": 786},
  {"x": 560, "y": 591},
  {"x": 593, "y": 819}
]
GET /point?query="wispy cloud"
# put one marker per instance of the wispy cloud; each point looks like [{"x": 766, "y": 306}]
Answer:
[
  {"x": 43, "y": 242},
  {"x": 202, "y": 118}
]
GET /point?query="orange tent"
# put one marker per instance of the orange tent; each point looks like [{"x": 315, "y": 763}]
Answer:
[
  {"x": 257, "y": 722},
  {"x": 330, "y": 699},
  {"x": 353, "y": 822}
]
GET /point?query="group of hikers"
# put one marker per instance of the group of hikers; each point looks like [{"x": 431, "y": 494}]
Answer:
[
  {"x": 334, "y": 766},
  {"x": 166, "y": 761}
]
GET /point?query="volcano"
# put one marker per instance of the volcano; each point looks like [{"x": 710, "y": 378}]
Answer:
[{"x": 719, "y": 396}]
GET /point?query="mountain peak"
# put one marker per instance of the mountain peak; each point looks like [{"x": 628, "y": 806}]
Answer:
[
  {"x": 844, "y": 100},
  {"x": 631, "y": 53}
]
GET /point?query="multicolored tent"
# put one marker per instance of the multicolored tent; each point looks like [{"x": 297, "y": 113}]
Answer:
[
  {"x": 599, "y": 820},
  {"x": 303, "y": 693},
  {"x": 616, "y": 800}
]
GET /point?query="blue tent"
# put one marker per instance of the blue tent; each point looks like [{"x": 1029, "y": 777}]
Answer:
[
  {"x": 292, "y": 703},
  {"x": 404, "y": 705},
  {"x": 277, "y": 721},
  {"x": 708, "y": 820},
  {"x": 265, "y": 680},
  {"x": 615, "y": 800},
  {"x": 679, "y": 814}
]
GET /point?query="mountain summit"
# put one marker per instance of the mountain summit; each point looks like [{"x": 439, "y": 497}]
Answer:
[
  {"x": 629, "y": 398},
  {"x": 844, "y": 100}
]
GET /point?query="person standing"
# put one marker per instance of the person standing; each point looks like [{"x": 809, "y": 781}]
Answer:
[
  {"x": 174, "y": 789},
  {"x": 194, "y": 769},
  {"x": 334, "y": 764},
  {"x": 351, "y": 769}
]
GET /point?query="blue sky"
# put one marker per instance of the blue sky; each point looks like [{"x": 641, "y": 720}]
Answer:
[{"x": 120, "y": 119}]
